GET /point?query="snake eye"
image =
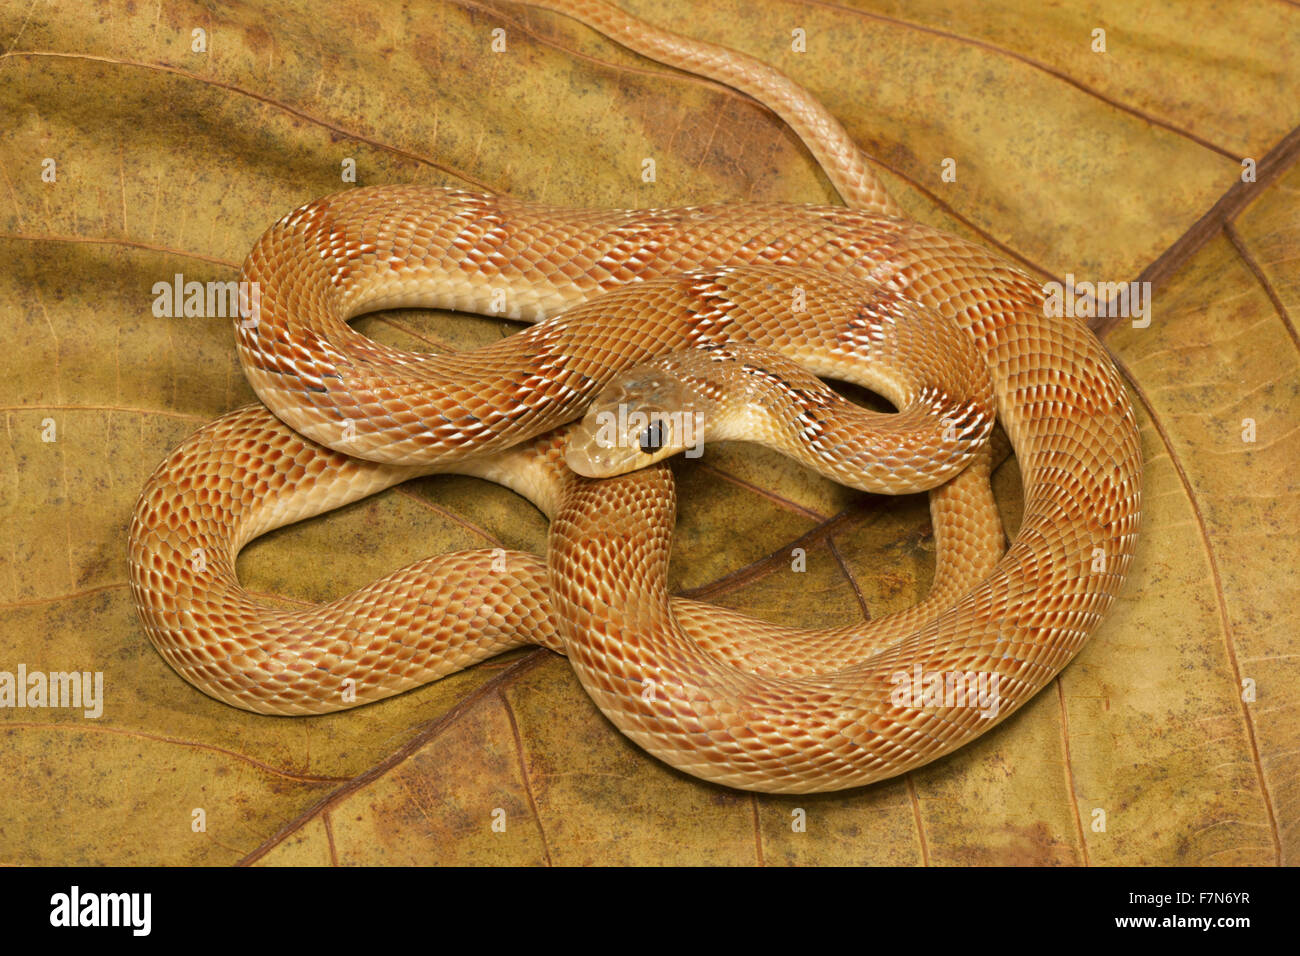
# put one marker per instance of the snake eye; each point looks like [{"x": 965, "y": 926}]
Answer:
[{"x": 652, "y": 439}]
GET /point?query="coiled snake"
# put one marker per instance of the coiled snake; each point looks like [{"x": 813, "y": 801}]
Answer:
[{"x": 945, "y": 330}]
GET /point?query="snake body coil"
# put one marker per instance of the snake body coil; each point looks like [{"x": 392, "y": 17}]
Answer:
[{"x": 710, "y": 691}]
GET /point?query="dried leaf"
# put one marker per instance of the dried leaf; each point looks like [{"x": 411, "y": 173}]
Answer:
[{"x": 1176, "y": 725}]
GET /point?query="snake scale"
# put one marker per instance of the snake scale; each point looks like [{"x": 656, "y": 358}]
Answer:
[{"x": 948, "y": 332}]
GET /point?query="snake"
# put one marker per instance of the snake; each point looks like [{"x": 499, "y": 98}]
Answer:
[{"x": 640, "y": 315}]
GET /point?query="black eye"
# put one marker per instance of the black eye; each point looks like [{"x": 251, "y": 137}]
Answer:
[{"x": 652, "y": 439}]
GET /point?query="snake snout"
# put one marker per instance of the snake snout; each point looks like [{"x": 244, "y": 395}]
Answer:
[{"x": 642, "y": 417}]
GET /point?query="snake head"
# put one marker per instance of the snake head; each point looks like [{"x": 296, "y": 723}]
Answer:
[{"x": 643, "y": 416}]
